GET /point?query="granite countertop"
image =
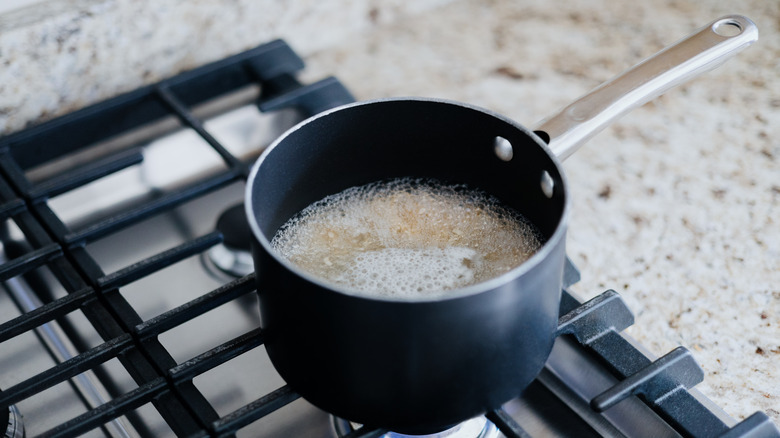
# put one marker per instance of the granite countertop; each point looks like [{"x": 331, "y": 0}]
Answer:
[{"x": 676, "y": 206}]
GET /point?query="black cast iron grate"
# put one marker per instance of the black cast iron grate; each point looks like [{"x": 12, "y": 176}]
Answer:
[{"x": 160, "y": 380}]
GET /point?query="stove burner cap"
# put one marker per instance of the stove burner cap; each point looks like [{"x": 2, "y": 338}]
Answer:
[
  {"x": 232, "y": 256},
  {"x": 235, "y": 229},
  {"x": 479, "y": 427},
  {"x": 13, "y": 421}
]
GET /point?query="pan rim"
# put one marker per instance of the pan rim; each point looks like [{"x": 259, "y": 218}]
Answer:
[{"x": 474, "y": 289}]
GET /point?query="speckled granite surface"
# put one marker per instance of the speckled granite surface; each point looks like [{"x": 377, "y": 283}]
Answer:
[
  {"x": 61, "y": 55},
  {"x": 677, "y": 206}
]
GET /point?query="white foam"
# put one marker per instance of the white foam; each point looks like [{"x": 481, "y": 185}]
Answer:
[
  {"x": 407, "y": 238},
  {"x": 410, "y": 272}
]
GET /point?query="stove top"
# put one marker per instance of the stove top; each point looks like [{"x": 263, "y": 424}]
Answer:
[{"x": 127, "y": 305}]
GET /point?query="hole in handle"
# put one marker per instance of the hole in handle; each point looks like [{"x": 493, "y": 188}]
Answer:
[{"x": 727, "y": 28}]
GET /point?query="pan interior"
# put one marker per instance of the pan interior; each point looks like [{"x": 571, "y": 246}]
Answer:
[{"x": 369, "y": 142}]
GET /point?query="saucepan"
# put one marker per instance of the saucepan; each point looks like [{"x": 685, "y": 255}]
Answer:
[{"x": 422, "y": 365}]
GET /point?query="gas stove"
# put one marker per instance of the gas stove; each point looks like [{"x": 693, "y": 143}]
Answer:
[{"x": 127, "y": 305}]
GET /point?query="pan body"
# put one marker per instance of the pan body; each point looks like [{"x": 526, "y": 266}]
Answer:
[{"x": 414, "y": 365}]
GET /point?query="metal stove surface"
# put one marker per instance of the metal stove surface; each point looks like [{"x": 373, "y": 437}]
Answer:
[{"x": 158, "y": 264}]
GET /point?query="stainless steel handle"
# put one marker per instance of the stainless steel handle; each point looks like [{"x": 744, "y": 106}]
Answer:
[{"x": 702, "y": 51}]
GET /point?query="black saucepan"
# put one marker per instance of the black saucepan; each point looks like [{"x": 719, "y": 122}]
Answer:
[{"x": 418, "y": 366}]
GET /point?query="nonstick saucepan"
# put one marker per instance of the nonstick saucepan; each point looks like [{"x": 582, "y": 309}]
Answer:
[{"x": 422, "y": 365}]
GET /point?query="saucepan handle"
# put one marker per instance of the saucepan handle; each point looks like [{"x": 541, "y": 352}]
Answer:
[{"x": 702, "y": 51}]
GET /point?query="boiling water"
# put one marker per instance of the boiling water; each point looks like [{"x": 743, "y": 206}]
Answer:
[{"x": 407, "y": 238}]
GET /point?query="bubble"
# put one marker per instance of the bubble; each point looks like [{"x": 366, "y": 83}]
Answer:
[{"x": 407, "y": 237}]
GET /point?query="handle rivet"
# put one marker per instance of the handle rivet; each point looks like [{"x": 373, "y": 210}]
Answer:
[
  {"x": 547, "y": 184},
  {"x": 503, "y": 148}
]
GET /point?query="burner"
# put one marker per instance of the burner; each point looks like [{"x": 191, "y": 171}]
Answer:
[
  {"x": 233, "y": 256},
  {"x": 13, "y": 421},
  {"x": 478, "y": 427}
]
